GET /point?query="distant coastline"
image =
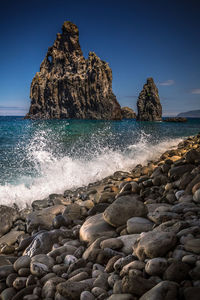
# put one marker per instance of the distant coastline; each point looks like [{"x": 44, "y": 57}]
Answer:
[{"x": 190, "y": 114}]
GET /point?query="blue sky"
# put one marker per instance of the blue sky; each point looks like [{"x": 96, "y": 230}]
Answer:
[{"x": 138, "y": 38}]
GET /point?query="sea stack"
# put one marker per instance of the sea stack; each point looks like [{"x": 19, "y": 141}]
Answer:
[
  {"x": 148, "y": 104},
  {"x": 70, "y": 86}
]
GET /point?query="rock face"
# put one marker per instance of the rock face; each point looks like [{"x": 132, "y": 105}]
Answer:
[
  {"x": 128, "y": 113},
  {"x": 70, "y": 86},
  {"x": 148, "y": 104}
]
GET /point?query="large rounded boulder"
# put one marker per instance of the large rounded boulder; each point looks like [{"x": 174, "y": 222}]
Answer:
[
  {"x": 123, "y": 209},
  {"x": 95, "y": 227},
  {"x": 154, "y": 244}
]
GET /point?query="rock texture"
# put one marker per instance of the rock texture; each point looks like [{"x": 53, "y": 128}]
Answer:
[
  {"x": 123, "y": 209},
  {"x": 8, "y": 216},
  {"x": 95, "y": 227},
  {"x": 128, "y": 113},
  {"x": 70, "y": 86},
  {"x": 148, "y": 104}
]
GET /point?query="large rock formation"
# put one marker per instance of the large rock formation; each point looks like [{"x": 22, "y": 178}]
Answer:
[
  {"x": 148, "y": 104},
  {"x": 128, "y": 113},
  {"x": 70, "y": 86}
]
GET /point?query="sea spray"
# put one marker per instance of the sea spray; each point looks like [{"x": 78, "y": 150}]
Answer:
[
  {"x": 56, "y": 174},
  {"x": 38, "y": 158}
]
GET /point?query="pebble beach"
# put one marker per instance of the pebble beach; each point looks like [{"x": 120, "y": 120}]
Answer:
[{"x": 132, "y": 235}]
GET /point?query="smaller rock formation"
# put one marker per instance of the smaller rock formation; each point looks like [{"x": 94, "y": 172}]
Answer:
[
  {"x": 128, "y": 113},
  {"x": 148, "y": 104}
]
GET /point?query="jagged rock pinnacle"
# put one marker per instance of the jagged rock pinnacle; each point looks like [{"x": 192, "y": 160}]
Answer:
[
  {"x": 70, "y": 86},
  {"x": 148, "y": 104}
]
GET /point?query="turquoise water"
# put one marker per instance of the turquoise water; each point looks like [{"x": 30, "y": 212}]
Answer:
[{"x": 38, "y": 158}]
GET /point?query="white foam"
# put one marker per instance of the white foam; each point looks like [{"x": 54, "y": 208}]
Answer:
[{"x": 57, "y": 175}]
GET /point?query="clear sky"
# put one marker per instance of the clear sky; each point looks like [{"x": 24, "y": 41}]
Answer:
[{"x": 138, "y": 38}]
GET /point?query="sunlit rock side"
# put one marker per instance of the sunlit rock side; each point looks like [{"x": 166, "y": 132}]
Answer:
[
  {"x": 148, "y": 104},
  {"x": 70, "y": 86}
]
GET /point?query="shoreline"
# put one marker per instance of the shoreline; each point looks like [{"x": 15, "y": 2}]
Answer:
[
  {"x": 84, "y": 173},
  {"x": 101, "y": 241}
]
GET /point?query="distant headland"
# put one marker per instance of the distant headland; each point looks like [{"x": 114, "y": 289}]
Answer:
[{"x": 190, "y": 114}]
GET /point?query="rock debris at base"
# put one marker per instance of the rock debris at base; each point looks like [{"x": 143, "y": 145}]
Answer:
[
  {"x": 128, "y": 113},
  {"x": 133, "y": 235}
]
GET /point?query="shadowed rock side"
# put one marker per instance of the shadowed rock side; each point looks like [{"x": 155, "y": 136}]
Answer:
[
  {"x": 128, "y": 113},
  {"x": 148, "y": 104},
  {"x": 70, "y": 86}
]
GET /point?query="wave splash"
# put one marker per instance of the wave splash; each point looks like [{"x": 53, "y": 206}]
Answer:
[{"x": 56, "y": 174}]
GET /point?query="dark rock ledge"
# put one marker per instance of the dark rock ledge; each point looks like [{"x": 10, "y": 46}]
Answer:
[
  {"x": 175, "y": 119},
  {"x": 133, "y": 235}
]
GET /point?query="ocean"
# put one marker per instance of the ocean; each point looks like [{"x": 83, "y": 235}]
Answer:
[{"x": 38, "y": 158}]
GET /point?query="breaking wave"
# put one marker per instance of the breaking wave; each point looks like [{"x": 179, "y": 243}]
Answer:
[{"x": 83, "y": 163}]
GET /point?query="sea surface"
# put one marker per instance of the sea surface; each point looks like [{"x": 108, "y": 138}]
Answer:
[{"x": 38, "y": 158}]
